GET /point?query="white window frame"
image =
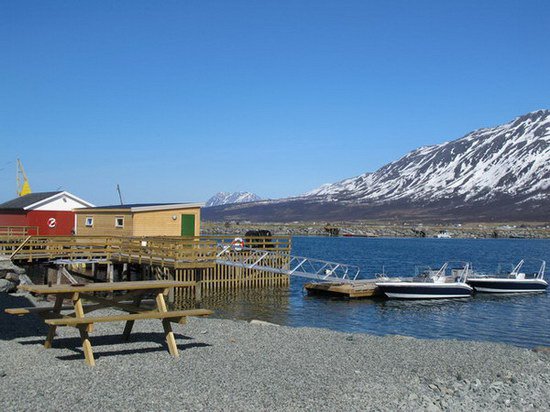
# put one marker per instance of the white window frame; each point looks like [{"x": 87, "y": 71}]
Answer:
[
  {"x": 117, "y": 225},
  {"x": 89, "y": 221}
]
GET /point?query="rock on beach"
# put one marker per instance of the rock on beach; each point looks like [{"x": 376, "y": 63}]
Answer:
[
  {"x": 11, "y": 276},
  {"x": 237, "y": 365}
]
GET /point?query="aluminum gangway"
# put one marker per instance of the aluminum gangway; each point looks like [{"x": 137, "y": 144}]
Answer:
[{"x": 259, "y": 259}]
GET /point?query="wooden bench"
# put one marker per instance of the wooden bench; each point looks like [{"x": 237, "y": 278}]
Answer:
[
  {"x": 177, "y": 316},
  {"x": 33, "y": 309},
  {"x": 130, "y": 302},
  {"x": 45, "y": 309}
]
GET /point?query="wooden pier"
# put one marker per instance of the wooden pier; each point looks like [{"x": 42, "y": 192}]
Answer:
[{"x": 190, "y": 259}]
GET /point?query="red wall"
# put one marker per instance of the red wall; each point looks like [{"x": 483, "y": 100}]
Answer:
[
  {"x": 13, "y": 219},
  {"x": 64, "y": 222}
]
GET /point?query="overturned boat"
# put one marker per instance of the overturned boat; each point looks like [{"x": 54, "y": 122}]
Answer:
[
  {"x": 431, "y": 284},
  {"x": 514, "y": 282}
]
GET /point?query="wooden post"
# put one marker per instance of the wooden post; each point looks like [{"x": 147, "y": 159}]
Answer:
[
  {"x": 110, "y": 273},
  {"x": 198, "y": 285},
  {"x": 83, "y": 329},
  {"x": 51, "y": 275},
  {"x": 51, "y": 330},
  {"x": 161, "y": 307},
  {"x": 171, "y": 291}
]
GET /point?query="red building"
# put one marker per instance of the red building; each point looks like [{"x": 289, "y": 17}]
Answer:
[{"x": 48, "y": 213}]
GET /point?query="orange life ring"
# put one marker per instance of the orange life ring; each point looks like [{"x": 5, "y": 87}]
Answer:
[{"x": 237, "y": 244}]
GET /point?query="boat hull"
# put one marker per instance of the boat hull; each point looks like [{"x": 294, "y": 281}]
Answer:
[
  {"x": 412, "y": 290},
  {"x": 495, "y": 285}
]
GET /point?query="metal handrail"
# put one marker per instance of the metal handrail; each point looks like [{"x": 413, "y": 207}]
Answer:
[{"x": 322, "y": 270}]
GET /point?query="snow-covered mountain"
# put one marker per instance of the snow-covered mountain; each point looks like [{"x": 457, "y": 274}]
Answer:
[
  {"x": 512, "y": 160},
  {"x": 499, "y": 173},
  {"x": 226, "y": 198}
]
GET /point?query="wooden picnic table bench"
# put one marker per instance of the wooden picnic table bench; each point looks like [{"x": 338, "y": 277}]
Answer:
[{"x": 129, "y": 302}]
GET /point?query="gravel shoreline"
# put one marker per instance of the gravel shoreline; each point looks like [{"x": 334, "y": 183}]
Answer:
[
  {"x": 236, "y": 365},
  {"x": 379, "y": 229}
]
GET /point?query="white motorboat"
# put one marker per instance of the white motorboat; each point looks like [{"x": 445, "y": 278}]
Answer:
[
  {"x": 431, "y": 284},
  {"x": 514, "y": 282}
]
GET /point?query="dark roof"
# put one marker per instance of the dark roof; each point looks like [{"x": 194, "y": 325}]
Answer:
[
  {"x": 132, "y": 205},
  {"x": 27, "y": 200}
]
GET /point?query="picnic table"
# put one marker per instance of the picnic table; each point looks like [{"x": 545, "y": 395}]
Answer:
[{"x": 128, "y": 302}]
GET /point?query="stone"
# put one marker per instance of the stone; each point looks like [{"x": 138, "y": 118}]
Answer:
[
  {"x": 498, "y": 385},
  {"x": 25, "y": 280},
  {"x": 262, "y": 322},
  {"x": 433, "y": 408},
  {"x": 12, "y": 277},
  {"x": 6, "y": 266},
  {"x": 6, "y": 286}
]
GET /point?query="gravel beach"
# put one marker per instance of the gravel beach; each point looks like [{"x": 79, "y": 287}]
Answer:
[{"x": 235, "y": 365}]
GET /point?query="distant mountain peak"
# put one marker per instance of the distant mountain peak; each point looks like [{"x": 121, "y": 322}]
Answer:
[{"x": 226, "y": 198}]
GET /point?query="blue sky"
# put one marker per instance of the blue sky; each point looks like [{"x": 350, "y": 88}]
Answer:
[{"x": 177, "y": 100}]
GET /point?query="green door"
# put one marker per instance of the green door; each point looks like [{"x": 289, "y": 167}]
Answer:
[{"x": 188, "y": 225}]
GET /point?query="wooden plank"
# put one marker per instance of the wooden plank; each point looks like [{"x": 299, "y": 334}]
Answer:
[
  {"x": 86, "y": 346},
  {"x": 83, "y": 329},
  {"x": 130, "y": 323},
  {"x": 39, "y": 309},
  {"x": 72, "y": 321},
  {"x": 170, "y": 340},
  {"x": 106, "y": 287},
  {"x": 51, "y": 330},
  {"x": 112, "y": 303},
  {"x": 44, "y": 309}
]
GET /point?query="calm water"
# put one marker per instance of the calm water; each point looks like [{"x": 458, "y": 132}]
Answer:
[{"x": 518, "y": 320}]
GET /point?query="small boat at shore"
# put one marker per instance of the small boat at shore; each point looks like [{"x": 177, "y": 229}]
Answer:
[
  {"x": 513, "y": 282},
  {"x": 431, "y": 284}
]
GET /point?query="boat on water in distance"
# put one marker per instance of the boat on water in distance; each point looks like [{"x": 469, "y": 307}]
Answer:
[
  {"x": 445, "y": 283},
  {"x": 514, "y": 282}
]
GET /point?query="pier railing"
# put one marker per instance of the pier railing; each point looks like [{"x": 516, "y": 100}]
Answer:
[
  {"x": 179, "y": 258},
  {"x": 262, "y": 259},
  {"x": 19, "y": 231},
  {"x": 173, "y": 252}
]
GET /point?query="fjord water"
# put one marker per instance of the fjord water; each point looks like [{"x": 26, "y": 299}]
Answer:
[{"x": 521, "y": 320}]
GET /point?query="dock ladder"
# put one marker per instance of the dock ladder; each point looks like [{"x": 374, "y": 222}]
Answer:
[{"x": 321, "y": 270}]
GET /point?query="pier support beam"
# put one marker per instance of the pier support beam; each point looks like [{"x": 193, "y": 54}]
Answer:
[
  {"x": 110, "y": 273},
  {"x": 198, "y": 285}
]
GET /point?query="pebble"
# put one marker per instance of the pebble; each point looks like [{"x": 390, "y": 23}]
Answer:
[{"x": 232, "y": 365}]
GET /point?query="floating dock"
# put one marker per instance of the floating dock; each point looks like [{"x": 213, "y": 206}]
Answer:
[{"x": 357, "y": 289}]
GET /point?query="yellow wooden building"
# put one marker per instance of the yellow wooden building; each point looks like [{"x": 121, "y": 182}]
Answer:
[{"x": 157, "y": 219}]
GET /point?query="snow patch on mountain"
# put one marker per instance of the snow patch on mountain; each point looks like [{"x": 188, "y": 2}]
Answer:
[
  {"x": 511, "y": 160},
  {"x": 226, "y": 198}
]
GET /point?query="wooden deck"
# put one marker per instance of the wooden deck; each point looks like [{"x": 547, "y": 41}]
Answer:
[
  {"x": 359, "y": 289},
  {"x": 174, "y": 253},
  {"x": 191, "y": 259}
]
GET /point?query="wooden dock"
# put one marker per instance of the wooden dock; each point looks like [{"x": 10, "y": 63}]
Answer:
[
  {"x": 191, "y": 259},
  {"x": 358, "y": 289}
]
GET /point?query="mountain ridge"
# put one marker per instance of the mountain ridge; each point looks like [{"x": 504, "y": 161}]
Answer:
[
  {"x": 226, "y": 198},
  {"x": 492, "y": 172}
]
